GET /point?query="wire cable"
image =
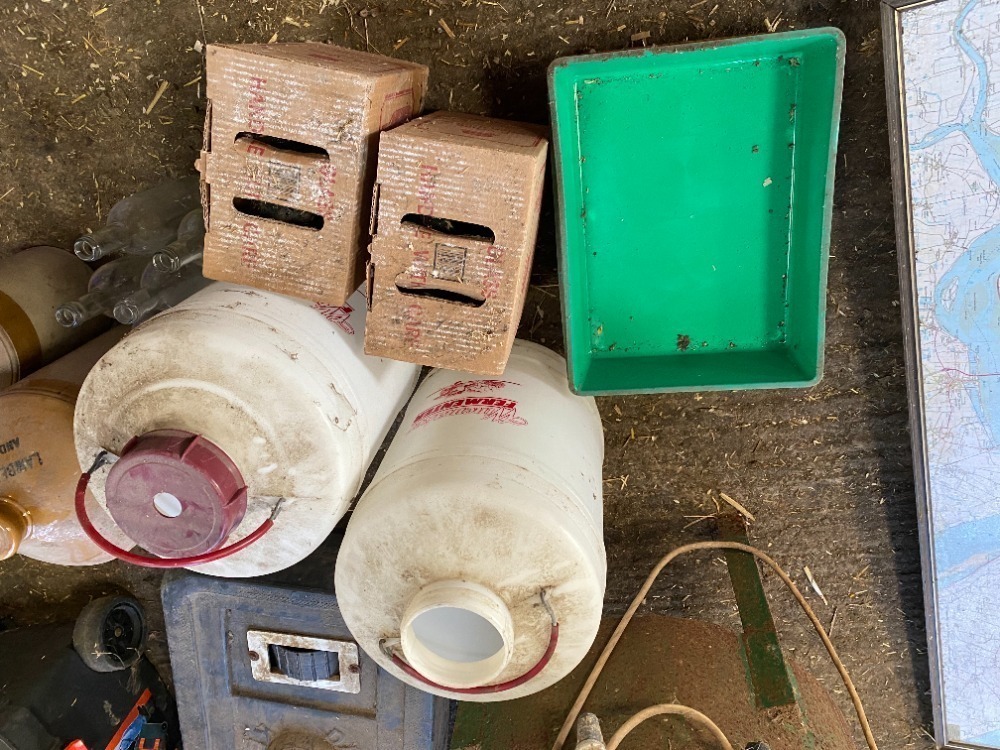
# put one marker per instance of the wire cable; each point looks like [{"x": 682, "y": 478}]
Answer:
[
  {"x": 692, "y": 715},
  {"x": 595, "y": 673},
  {"x": 163, "y": 563}
]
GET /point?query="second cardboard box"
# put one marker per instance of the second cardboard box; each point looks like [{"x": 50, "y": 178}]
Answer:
[{"x": 457, "y": 202}]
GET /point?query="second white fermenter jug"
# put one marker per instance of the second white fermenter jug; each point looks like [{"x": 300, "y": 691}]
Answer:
[
  {"x": 473, "y": 567},
  {"x": 232, "y": 432}
]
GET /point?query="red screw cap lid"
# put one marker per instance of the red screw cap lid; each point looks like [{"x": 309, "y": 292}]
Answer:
[{"x": 175, "y": 493}]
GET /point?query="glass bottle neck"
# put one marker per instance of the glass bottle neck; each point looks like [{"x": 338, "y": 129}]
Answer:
[
  {"x": 136, "y": 306},
  {"x": 177, "y": 255},
  {"x": 87, "y": 307},
  {"x": 103, "y": 242}
]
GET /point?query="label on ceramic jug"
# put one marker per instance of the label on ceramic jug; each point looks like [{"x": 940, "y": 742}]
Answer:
[
  {"x": 483, "y": 398},
  {"x": 11, "y": 468}
]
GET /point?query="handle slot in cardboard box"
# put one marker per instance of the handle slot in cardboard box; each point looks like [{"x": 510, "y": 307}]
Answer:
[
  {"x": 287, "y": 145},
  {"x": 441, "y": 290},
  {"x": 450, "y": 227},
  {"x": 276, "y": 212}
]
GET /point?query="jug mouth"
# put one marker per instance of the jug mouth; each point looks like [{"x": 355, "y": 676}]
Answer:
[
  {"x": 458, "y": 634},
  {"x": 15, "y": 526}
]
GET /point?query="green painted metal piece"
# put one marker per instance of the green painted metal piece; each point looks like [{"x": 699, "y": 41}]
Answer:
[
  {"x": 695, "y": 188},
  {"x": 768, "y": 674}
]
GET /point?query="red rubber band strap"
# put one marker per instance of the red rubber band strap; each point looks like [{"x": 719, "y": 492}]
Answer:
[
  {"x": 486, "y": 689},
  {"x": 156, "y": 562}
]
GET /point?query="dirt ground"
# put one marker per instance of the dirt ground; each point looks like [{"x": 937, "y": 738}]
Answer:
[{"x": 825, "y": 471}]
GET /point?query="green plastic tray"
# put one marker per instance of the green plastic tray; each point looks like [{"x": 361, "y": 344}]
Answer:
[{"x": 695, "y": 188}]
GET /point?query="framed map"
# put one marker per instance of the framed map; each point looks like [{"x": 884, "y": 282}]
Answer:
[{"x": 943, "y": 73}]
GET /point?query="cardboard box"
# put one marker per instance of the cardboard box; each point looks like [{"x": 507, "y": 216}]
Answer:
[
  {"x": 453, "y": 234},
  {"x": 289, "y": 162}
]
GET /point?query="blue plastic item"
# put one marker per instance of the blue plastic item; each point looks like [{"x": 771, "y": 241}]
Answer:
[{"x": 262, "y": 667}]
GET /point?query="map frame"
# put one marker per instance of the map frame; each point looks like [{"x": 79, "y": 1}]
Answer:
[{"x": 892, "y": 27}]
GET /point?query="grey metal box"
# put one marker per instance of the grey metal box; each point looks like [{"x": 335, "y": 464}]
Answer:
[{"x": 262, "y": 667}]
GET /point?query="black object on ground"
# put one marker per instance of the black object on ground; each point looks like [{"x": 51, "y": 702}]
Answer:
[{"x": 108, "y": 697}]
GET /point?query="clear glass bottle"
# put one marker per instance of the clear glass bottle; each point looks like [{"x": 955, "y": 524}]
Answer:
[
  {"x": 159, "y": 291},
  {"x": 142, "y": 223},
  {"x": 187, "y": 248},
  {"x": 108, "y": 284}
]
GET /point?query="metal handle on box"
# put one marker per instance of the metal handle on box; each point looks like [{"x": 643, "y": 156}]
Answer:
[{"x": 264, "y": 648}]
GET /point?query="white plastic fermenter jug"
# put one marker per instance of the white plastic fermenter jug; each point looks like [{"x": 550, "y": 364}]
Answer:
[
  {"x": 234, "y": 409},
  {"x": 473, "y": 566},
  {"x": 33, "y": 283}
]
